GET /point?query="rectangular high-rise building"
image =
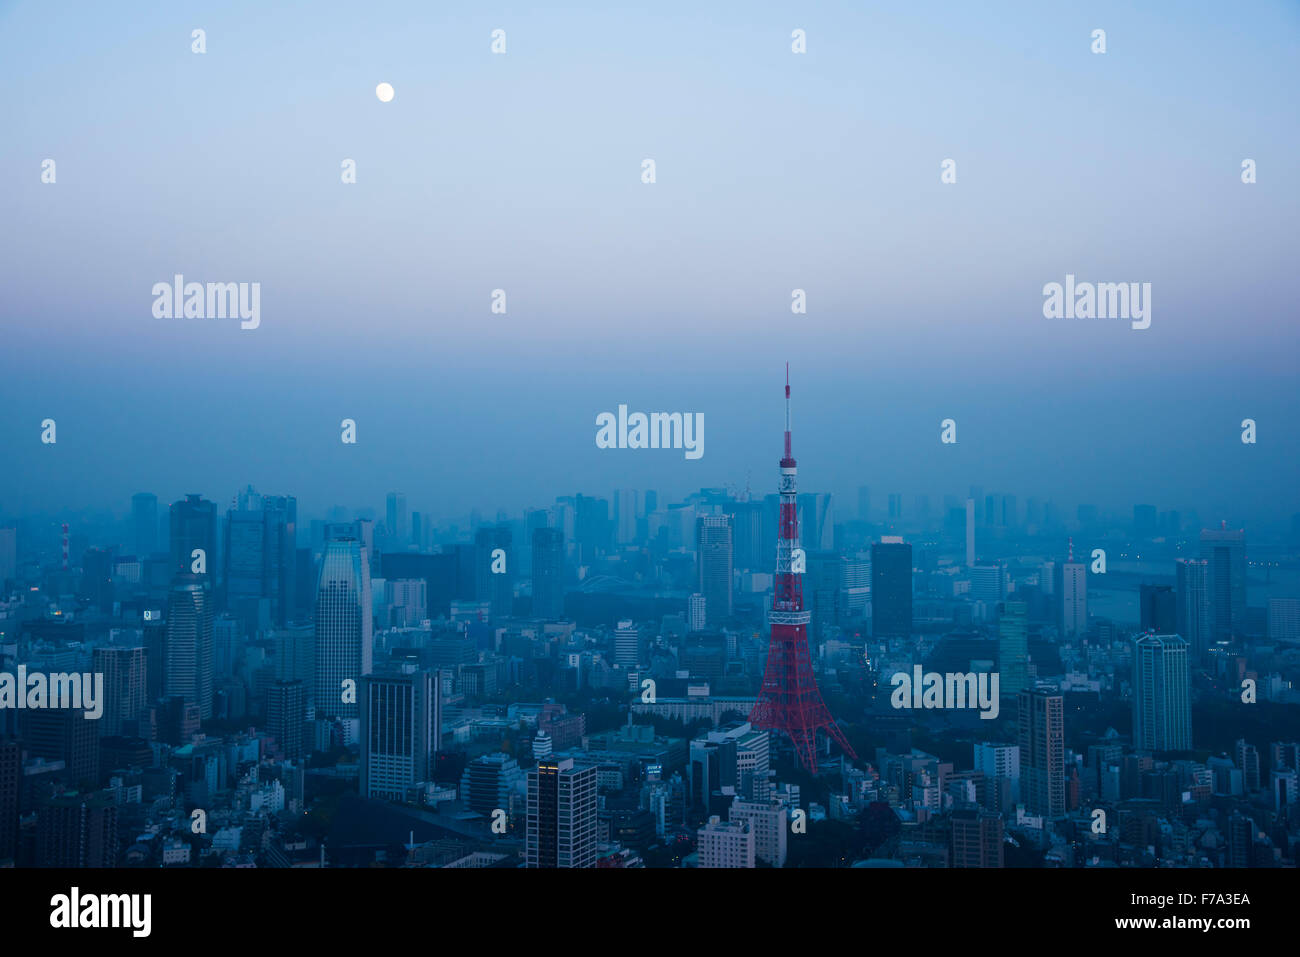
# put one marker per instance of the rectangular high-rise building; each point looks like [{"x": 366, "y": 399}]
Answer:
[
  {"x": 344, "y": 628},
  {"x": 1041, "y": 738},
  {"x": 1013, "y": 648},
  {"x": 1162, "y": 706},
  {"x": 1225, "y": 550},
  {"x": 1192, "y": 620},
  {"x": 11, "y": 772},
  {"x": 768, "y": 823},
  {"x": 286, "y": 717},
  {"x": 126, "y": 686},
  {"x": 144, "y": 524},
  {"x": 396, "y": 522},
  {"x": 714, "y": 564},
  {"x": 548, "y": 573},
  {"x": 891, "y": 588},
  {"x": 627, "y": 645},
  {"x": 976, "y": 838},
  {"x": 494, "y": 569},
  {"x": 970, "y": 532},
  {"x": 1158, "y": 609},
  {"x": 188, "y": 646},
  {"x": 561, "y": 829},
  {"x": 260, "y": 559},
  {"x": 1071, "y": 598},
  {"x": 401, "y": 720},
  {"x": 722, "y": 843}
]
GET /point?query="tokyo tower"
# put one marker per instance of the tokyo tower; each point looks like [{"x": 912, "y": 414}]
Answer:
[{"x": 789, "y": 701}]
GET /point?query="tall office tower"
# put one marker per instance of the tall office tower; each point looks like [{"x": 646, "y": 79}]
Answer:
[
  {"x": 864, "y": 503},
  {"x": 651, "y": 501},
  {"x": 193, "y": 526},
  {"x": 401, "y": 719},
  {"x": 1041, "y": 725},
  {"x": 344, "y": 639},
  {"x": 625, "y": 512},
  {"x": 494, "y": 573},
  {"x": 722, "y": 843},
  {"x": 396, "y": 523},
  {"x": 988, "y": 582},
  {"x": 627, "y": 645},
  {"x": 1283, "y": 619},
  {"x": 891, "y": 588},
  {"x": 713, "y": 564},
  {"x": 489, "y": 782},
  {"x": 1162, "y": 694},
  {"x": 895, "y": 507},
  {"x": 789, "y": 700},
  {"x": 976, "y": 838},
  {"x": 187, "y": 650},
  {"x": 294, "y": 656},
  {"x": 1283, "y": 788},
  {"x": 817, "y": 521},
  {"x": 76, "y": 830},
  {"x": 1144, "y": 520},
  {"x": 548, "y": 573},
  {"x": 822, "y": 594},
  {"x": 592, "y": 529},
  {"x": 970, "y": 532},
  {"x": 259, "y": 559},
  {"x": 1071, "y": 588},
  {"x": 126, "y": 686},
  {"x": 696, "y": 619},
  {"x": 561, "y": 815},
  {"x": 8, "y": 555},
  {"x": 11, "y": 773},
  {"x": 144, "y": 524},
  {"x": 67, "y": 735},
  {"x": 1158, "y": 609},
  {"x": 1225, "y": 551},
  {"x": 286, "y": 717},
  {"x": 855, "y": 585},
  {"x": 1013, "y": 648},
  {"x": 747, "y": 535},
  {"x": 1247, "y": 759},
  {"x": 768, "y": 823},
  {"x": 1000, "y": 765},
  {"x": 1194, "y": 622}
]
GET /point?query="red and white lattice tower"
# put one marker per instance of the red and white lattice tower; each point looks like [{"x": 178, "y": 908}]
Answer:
[{"x": 789, "y": 701}]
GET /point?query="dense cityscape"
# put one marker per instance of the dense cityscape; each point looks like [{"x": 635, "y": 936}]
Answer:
[{"x": 736, "y": 679}]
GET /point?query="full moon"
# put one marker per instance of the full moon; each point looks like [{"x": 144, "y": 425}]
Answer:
[{"x": 384, "y": 91}]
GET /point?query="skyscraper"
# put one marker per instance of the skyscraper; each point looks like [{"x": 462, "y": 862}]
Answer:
[
  {"x": 627, "y": 645},
  {"x": 188, "y": 650},
  {"x": 401, "y": 719},
  {"x": 1225, "y": 551},
  {"x": 548, "y": 573},
  {"x": 1013, "y": 648},
  {"x": 259, "y": 559},
  {"x": 10, "y": 778},
  {"x": 494, "y": 569},
  {"x": 976, "y": 838},
  {"x": 1158, "y": 610},
  {"x": 144, "y": 524},
  {"x": 1193, "y": 623},
  {"x": 714, "y": 563},
  {"x": 125, "y": 686},
  {"x": 1162, "y": 706},
  {"x": 396, "y": 523},
  {"x": 344, "y": 639},
  {"x": 1071, "y": 588},
  {"x": 561, "y": 815},
  {"x": 1041, "y": 721},
  {"x": 891, "y": 588},
  {"x": 193, "y": 526},
  {"x": 970, "y": 532},
  {"x": 286, "y": 717},
  {"x": 625, "y": 513}
]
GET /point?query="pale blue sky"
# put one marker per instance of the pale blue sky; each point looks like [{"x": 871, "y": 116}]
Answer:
[{"x": 775, "y": 171}]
